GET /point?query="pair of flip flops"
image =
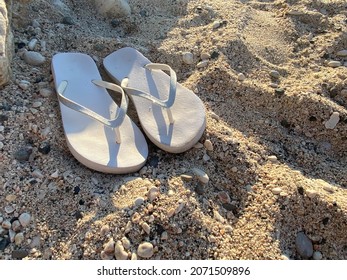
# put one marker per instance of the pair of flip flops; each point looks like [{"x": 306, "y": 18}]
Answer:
[{"x": 100, "y": 134}]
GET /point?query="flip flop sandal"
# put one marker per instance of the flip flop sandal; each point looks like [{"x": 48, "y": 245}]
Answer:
[
  {"x": 172, "y": 116},
  {"x": 99, "y": 134}
]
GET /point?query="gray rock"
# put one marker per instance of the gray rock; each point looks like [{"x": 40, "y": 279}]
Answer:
[
  {"x": 19, "y": 254},
  {"x": 23, "y": 154},
  {"x": 24, "y": 219},
  {"x": 6, "y": 44},
  {"x": 303, "y": 245},
  {"x": 34, "y": 58}
]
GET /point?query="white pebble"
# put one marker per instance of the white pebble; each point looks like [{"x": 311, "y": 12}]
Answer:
[
  {"x": 24, "y": 85},
  {"x": 146, "y": 227},
  {"x": 334, "y": 63},
  {"x": 311, "y": 193},
  {"x": 206, "y": 157},
  {"x": 317, "y": 255},
  {"x": 1, "y": 145},
  {"x": 198, "y": 145},
  {"x": 126, "y": 243},
  {"x": 145, "y": 250},
  {"x": 202, "y": 176},
  {"x": 241, "y": 77},
  {"x": 55, "y": 174},
  {"x": 205, "y": 56},
  {"x": 333, "y": 121},
  {"x": 46, "y": 92},
  {"x": 276, "y": 190},
  {"x": 188, "y": 58},
  {"x": 119, "y": 251},
  {"x": 34, "y": 58},
  {"x": 109, "y": 246},
  {"x": 202, "y": 64},
  {"x": 272, "y": 158},
  {"x": 208, "y": 145},
  {"x": 9, "y": 209},
  {"x": 216, "y": 24},
  {"x": 37, "y": 104},
  {"x": 37, "y": 174},
  {"x": 153, "y": 193},
  {"x": 32, "y": 44}
]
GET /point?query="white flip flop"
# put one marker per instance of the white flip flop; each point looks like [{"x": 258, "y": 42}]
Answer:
[
  {"x": 99, "y": 134},
  {"x": 172, "y": 116}
]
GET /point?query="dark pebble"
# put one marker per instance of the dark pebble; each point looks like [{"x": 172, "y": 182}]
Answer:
[
  {"x": 325, "y": 221},
  {"x": 3, "y": 118},
  {"x": 154, "y": 161},
  {"x": 23, "y": 154},
  {"x": 78, "y": 215},
  {"x": 3, "y": 243},
  {"x": 19, "y": 254},
  {"x": 285, "y": 123},
  {"x": 21, "y": 45},
  {"x": 279, "y": 91},
  {"x": 230, "y": 207},
  {"x": 68, "y": 20},
  {"x": 76, "y": 190},
  {"x": 301, "y": 190},
  {"x": 303, "y": 245},
  {"x": 199, "y": 189},
  {"x": 312, "y": 119},
  {"x": 214, "y": 54},
  {"x": 143, "y": 13},
  {"x": 44, "y": 148}
]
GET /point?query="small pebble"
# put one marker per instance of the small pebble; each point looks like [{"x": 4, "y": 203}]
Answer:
[
  {"x": 16, "y": 226},
  {"x": 208, "y": 145},
  {"x": 119, "y": 251},
  {"x": 46, "y": 92},
  {"x": 9, "y": 209},
  {"x": 198, "y": 145},
  {"x": 55, "y": 175},
  {"x": 139, "y": 201},
  {"x": 24, "y": 85},
  {"x": 311, "y": 193},
  {"x": 188, "y": 58},
  {"x": 202, "y": 64},
  {"x": 342, "y": 53},
  {"x": 153, "y": 193},
  {"x": 334, "y": 63},
  {"x": 32, "y": 44},
  {"x": 224, "y": 197},
  {"x": 6, "y": 224},
  {"x": 186, "y": 177},
  {"x": 272, "y": 158},
  {"x": 216, "y": 24},
  {"x": 274, "y": 74},
  {"x": 23, "y": 154},
  {"x": 276, "y": 190},
  {"x": 11, "y": 197},
  {"x": 333, "y": 121},
  {"x": 206, "y": 157},
  {"x": 34, "y": 58},
  {"x": 68, "y": 20},
  {"x": 146, "y": 227},
  {"x": 304, "y": 245},
  {"x": 37, "y": 174},
  {"x": 109, "y": 246},
  {"x": 241, "y": 77},
  {"x": 44, "y": 148},
  {"x": 24, "y": 219},
  {"x": 19, "y": 254},
  {"x": 205, "y": 56},
  {"x": 126, "y": 243},
  {"x": 105, "y": 229},
  {"x": 19, "y": 238},
  {"x": 202, "y": 176},
  {"x": 4, "y": 243},
  {"x": 145, "y": 250},
  {"x": 37, "y": 104},
  {"x": 317, "y": 255}
]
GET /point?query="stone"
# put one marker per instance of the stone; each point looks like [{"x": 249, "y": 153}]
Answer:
[
  {"x": 139, "y": 201},
  {"x": 119, "y": 251},
  {"x": 19, "y": 254},
  {"x": 274, "y": 74},
  {"x": 19, "y": 238},
  {"x": 145, "y": 250},
  {"x": 6, "y": 44},
  {"x": 303, "y": 245},
  {"x": 32, "y": 44},
  {"x": 201, "y": 175},
  {"x": 205, "y": 56},
  {"x": 272, "y": 158},
  {"x": 24, "y": 85},
  {"x": 333, "y": 121},
  {"x": 276, "y": 190},
  {"x": 34, "y": 58},
  {"x": 4, "y": 243},
  {"x": 208, "y": 145},
  {"x": 334, "y": 63},
  {"x": 241, "y": 77},
  {"x": 342, "y": 53},
  {"x": 153, "y": 193},
  {"x": 317, "y": 255},
  {"x": 16, "y": 226},
  {"x": 202, "y": 64},
  {"x": 24, "y": 219},
  {"x": 188, "y": 58},
  {"x": 23, "y": 154},
  {"x": 216, "y": 24},
  {"x": 109, "y": 247},
  {"x": 113, "y": 8},
  {"x": 126, "y": 243}
]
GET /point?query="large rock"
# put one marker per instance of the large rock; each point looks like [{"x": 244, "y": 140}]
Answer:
[{"x": 6, "y": 44}]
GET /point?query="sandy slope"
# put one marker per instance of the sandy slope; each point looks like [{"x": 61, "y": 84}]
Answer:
[{"x": 248, "y": 121}]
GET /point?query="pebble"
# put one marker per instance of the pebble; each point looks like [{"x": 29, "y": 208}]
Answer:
[
  {"x": 274, "y": 74},
  {"x": 208, "y": 145},
  {"x": 205, "y": 56},
  {"x": 317, "y": 255},
  {"x": 311, "y": 193},
  {"x": 206, "y": 157},
  {"x": 344, "y": 92},
  {"x": 119, "y": 251},
  {"x": 146, "y": 227},
  {"x": 276, "y": 190},
  {"x": 3, "y": 243},
  {"x": 224, "y": 197},
  {"x": 186, "y": 177},
  {"x": 333, "y": 121},
  {"x": 37, "y": 174},
  {"x": 24, "y": 219},
  {"x": 109, "y": 246},
  {"x": 272, "y": 158},
  {"x": 153, "y": 193},
  {"x": 334, "y": 63},
  {"x": 139, "y": 201},
  {"x": 55, "y": 174},
  {"x": 342, "y": 53},
  {"x": 145, "y": 250},
  {"x": 188, "y": 58},
  {"x": 19, "y": 254},
  {"x": 19, "y": 238},
  {"x": 16, "y": 226},
  {"x": 215, "y": 116},
  {"x": 23, "y": 154},
  {"x": 32, "y": 44},
  {"x": 216, "y": 24},
  {"x": 202, "y": 64},
  {"x": 241, "y": 77},
  {"x": 202, "y": 176},
  {"x": 180, "y": 206},
  {"x": 68, "y": 20},
  {"x": 126, "y": 243},
  {"x": 37, "y": 104},
  {"x": 11, "y": 234},
  {"x": 44, "y": 148},
  {"x": 9, "y": 209},
  {"x": 6, "y": 224},
  {"x": 105, "y": 229},
  {"x": 303, "y": 245},
  {"x": 113, "y": 8},
  {"x": 24, "y": 85},
  {"x": 198, "y": 145},
  {"x": 34, "y": 58},
  {"x": 1, "y": 145},
  {"x": 11, "y": 197},
  {"x": 46, "y": 92}
]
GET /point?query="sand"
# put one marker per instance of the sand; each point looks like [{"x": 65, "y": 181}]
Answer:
[{"x": 277, "y": 167}]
